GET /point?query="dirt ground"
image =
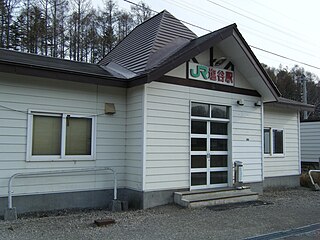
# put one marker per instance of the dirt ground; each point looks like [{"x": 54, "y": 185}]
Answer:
[{"x": 275, "y": 211}]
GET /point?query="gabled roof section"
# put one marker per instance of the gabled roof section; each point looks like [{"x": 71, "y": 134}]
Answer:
[
  {"x": 190, "y": 50},
  {"x": 231, "y": 42},
  {"x": 160, "y": 35}
]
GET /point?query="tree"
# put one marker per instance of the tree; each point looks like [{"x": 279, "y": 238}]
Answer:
[
  {"x": 80, "y": 10},
  {"x": 290, "y": 85},
  {"x": 107, "y": 21},
  {"x": 6, "y": 9},
  {"x": 125, "y": 24},
  {"x": 141, "y": 12}
]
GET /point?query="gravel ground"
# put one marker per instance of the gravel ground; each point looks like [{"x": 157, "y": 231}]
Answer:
[{"x": 285, "y": 209}]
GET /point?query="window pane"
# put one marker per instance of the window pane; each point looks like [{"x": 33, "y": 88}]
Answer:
[
  {"x": 267, "y": 141},
  {"x": 219, "y": 144},
  {"x": 198, "y": 144},
  {"x": 198, "y": 127},
  {"x": 200, "y": 110},
  {"x": 218, "y": 177},
  {"x": 219, "y": 128},
  {"x": 277, "y": 141},
  {"x": 218, "y": 161},
  {"x": 219, "y": 111},
  {"x": 78, "y": 139},
  {"x": 46, "y": 135},
  {"x": 199, "y": 161},
  {"x": 198, "y": 179}
]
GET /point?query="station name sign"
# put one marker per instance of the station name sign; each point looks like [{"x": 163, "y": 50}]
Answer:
[{"x": 211, "y": 74}]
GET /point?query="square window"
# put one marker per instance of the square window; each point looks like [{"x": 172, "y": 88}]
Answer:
[
  {"x": 273, "y": 141},
  {"x": 60, "y": 137}
]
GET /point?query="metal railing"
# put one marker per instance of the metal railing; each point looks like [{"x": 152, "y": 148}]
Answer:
[
  {"x": 56, "y": 172},
  {"x": 316, "y": 186}
]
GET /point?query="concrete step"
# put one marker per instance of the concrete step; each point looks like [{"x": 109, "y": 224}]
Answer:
[{"x": 203, "y": 198}]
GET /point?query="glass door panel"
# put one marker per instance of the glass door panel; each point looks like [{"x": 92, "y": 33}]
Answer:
[
  {"x": 198, "y": 161},
  {"x": 218, "y": 161},
  {"x": 199, "y": 179},
  {"x": 198, "y": 144},
  {"x": 218, "y": 144},
  {"x": 219, "y": 177}
]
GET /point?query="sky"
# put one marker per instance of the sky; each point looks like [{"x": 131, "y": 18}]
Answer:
[{"x": 285, "y": 27}]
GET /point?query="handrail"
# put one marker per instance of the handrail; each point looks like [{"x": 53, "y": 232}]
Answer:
[
  {"x": 59, "y": 172},
  {"x": 316, "y": 186}
]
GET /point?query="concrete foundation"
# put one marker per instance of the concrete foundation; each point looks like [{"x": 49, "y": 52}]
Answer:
[
  {"x": 157, "y": 198},
  {"x": 255, "y": 187},
  {"x": 282, "y": 182},
  {"x": 10, "y": 214},
  {"x": 56, "y": 201},
  {"x": 127, "y": 198}
]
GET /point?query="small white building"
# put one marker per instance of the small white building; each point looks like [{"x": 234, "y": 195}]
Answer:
[
  {"x": 185, "y": 109},
  {"x": 310, "y": 140}
]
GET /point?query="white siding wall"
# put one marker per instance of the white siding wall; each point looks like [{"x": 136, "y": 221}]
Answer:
[
  {"x": 134, "y": 141},
  {"x": 310, "y": 141},
  {"x": 168, "y": 133},
  {"x": 288, "y": 121},
  {"x": 22, "y": 93}
]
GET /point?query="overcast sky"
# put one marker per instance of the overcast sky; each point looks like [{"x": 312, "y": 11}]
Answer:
[{"x": 286, "y": 27}]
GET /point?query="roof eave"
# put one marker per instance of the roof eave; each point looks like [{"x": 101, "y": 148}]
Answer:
[
  {"x": 287, "y": 103},
  {"x": 60, "y": 74}
]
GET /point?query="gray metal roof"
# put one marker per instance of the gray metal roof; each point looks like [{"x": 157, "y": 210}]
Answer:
[
  {"x": 135, "y": 51},
  {"x": 28, "y": 59}
]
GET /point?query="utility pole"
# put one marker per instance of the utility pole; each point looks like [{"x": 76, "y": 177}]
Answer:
[{"x": 305, "y": 94}]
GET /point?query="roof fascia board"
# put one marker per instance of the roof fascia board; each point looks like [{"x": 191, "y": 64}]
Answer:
[
  {"x": 207, "y": 85},
  {"x": 295, "y": 106},
  {"x": 37, "y": 71}
]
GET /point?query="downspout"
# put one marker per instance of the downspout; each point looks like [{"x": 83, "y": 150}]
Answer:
[
  {"x": 144, "y": 136},
  {"x": 299, "y": 143},
  {"x": 262, "y": 142}
]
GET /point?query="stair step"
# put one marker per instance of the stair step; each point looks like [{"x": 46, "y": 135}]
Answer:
[
  {"x": 209, "y": 197},
  {"x": 219, "y": 194},
  {"x": 239, "y": 199}
]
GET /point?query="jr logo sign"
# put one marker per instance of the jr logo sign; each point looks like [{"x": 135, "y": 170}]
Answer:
[{"x": 205, "y": 73}]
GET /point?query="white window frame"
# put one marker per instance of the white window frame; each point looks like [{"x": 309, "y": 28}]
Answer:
[
  {"x": 227, "y": 153},
  {"x": 272, "y": 154},
  {"x": 62, "y": 156}
]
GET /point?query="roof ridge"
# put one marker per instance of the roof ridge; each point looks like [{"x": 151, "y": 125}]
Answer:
[{"x": 158, "y": 30}]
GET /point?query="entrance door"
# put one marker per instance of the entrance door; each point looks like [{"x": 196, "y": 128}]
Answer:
[{"x": 209, "y": 146}]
